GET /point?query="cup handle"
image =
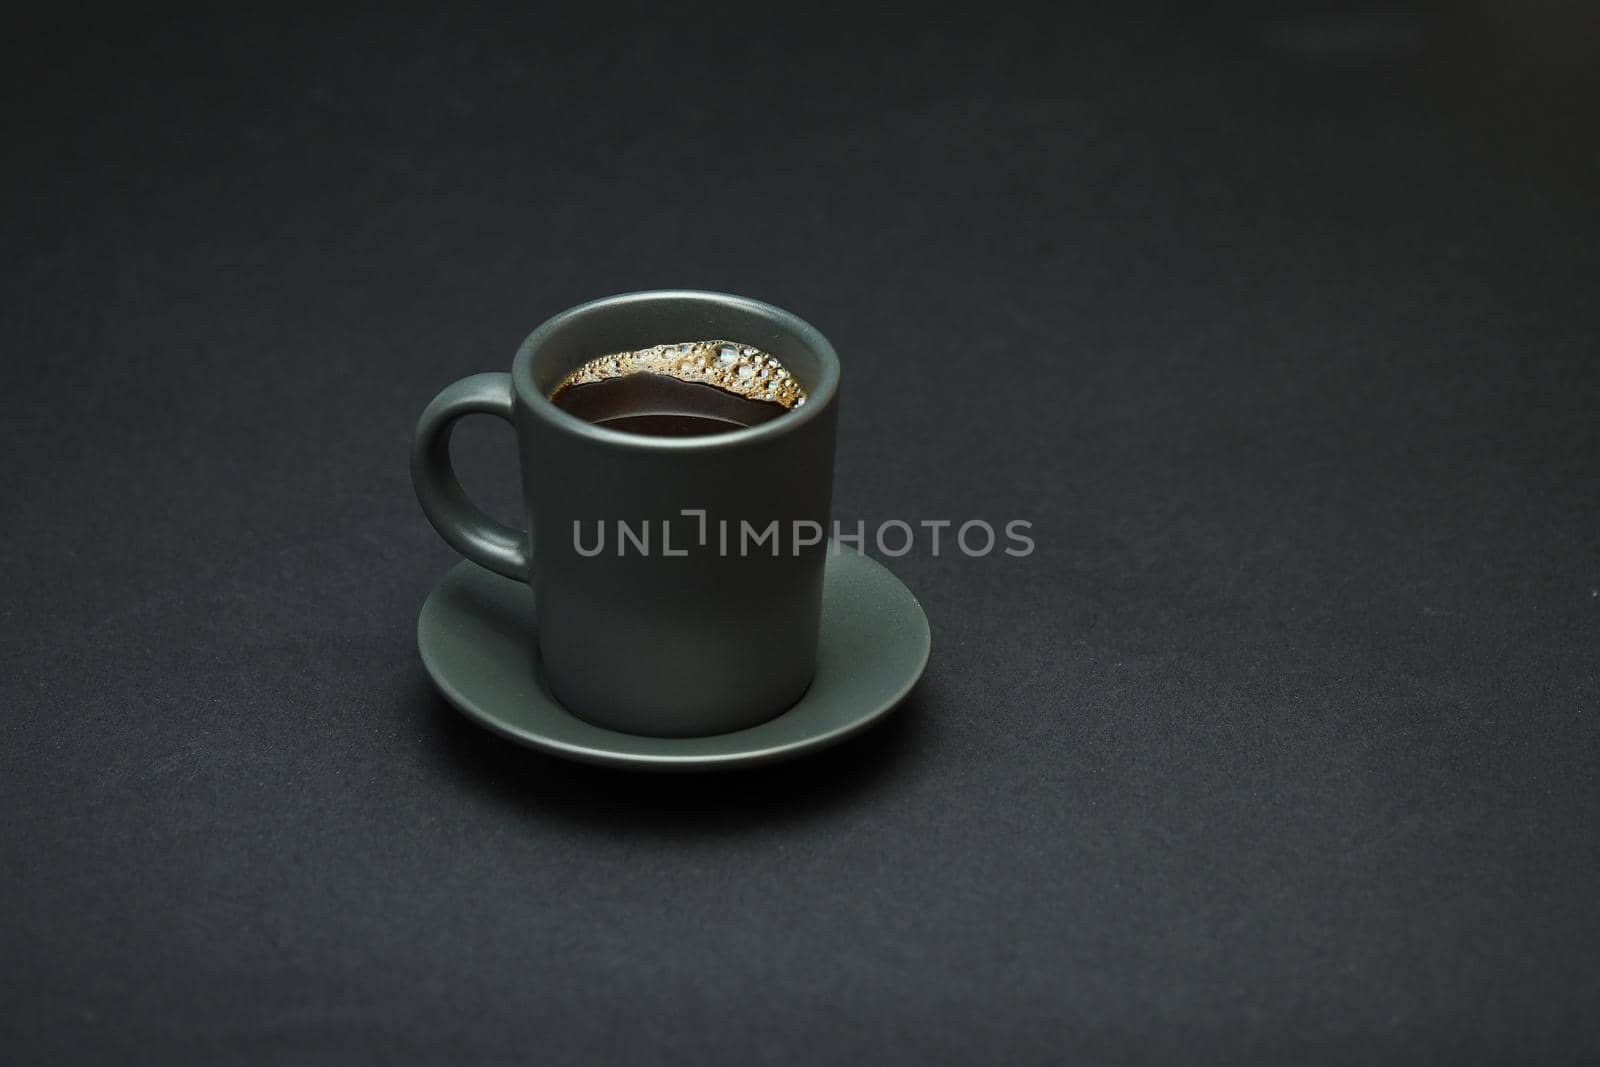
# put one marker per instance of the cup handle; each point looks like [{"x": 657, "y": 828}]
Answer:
[{"x": 459, "y": 521}]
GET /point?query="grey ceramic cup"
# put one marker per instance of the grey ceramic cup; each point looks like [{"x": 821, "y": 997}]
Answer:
[{"x": 686, "y": 638}]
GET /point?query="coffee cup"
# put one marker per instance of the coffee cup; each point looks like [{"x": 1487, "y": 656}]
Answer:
[{"x": 677, "y": 580}]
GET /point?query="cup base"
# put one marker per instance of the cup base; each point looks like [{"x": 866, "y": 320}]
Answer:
[{"x": 738, "y": 720}]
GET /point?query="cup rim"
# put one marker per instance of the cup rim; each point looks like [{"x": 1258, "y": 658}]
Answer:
[{"x": 818, "y": 398}]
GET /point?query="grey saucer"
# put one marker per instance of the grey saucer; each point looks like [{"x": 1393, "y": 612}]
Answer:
[{"x": 476, "y": 636}]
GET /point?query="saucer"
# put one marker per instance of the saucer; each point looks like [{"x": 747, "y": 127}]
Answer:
[{"x": 476, "y": 636}]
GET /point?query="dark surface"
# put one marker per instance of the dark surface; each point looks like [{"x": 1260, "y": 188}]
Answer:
[{"x": 1283, "y": 333}]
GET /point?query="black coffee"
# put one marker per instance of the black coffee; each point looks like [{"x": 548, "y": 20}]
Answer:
[{"x": 686, "y": 389}]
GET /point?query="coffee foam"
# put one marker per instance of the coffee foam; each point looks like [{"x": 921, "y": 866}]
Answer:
[{"x": 738, "y": 369}]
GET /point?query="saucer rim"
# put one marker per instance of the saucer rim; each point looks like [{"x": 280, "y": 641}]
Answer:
[{"x": 621, "y": 756}]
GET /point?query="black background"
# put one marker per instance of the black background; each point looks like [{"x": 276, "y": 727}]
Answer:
[{"x": 1282, "y": 330}]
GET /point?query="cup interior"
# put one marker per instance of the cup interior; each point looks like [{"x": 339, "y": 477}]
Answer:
[{"x": 640, "y": 320}]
